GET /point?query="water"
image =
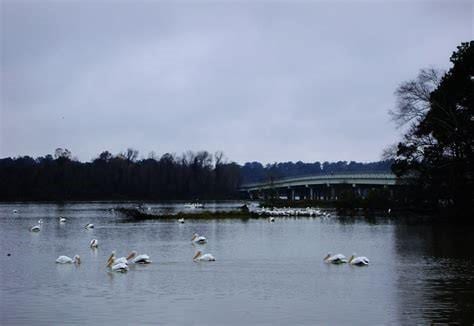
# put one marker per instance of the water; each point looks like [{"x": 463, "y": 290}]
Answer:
[{"x": 265, "y": 273}]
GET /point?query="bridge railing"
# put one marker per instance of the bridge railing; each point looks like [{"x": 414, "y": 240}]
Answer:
[{"x": 339, "y": 175}]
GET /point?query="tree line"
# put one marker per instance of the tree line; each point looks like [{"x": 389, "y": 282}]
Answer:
[{"x": 190, "y": 176}]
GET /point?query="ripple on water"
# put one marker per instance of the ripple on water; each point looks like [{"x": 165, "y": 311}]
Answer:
[{"x": 265, "y": 273}]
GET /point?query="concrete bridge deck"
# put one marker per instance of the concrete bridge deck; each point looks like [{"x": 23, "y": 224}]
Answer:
[{"x": 322, "y": 186}]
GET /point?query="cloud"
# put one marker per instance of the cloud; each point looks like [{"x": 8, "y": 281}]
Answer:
[{"x": 268, "y": 81}]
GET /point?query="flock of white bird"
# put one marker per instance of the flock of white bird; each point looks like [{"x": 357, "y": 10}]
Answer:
[
  {"x": 288, "y": 211},
  {"x": 121, "y": 264},
  {"x": 115, "y": 264}
]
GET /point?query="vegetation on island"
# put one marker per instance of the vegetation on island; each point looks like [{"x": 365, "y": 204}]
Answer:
[{"x": 134, "y": 214}]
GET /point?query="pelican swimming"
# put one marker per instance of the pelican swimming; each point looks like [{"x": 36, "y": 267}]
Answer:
[
  {"x": 123, "y": 260},
  {"x": 94, "y": 243},
  {"x": 62, "y": 219},
  {"x": 359, "y": 261},
  {"x": 141, "y": 259},
  {"x": 181, "y": 220},
  {"x": 35, "y": 228},
  {"x": 200, "y": 257},
  {"x": 68, "y": 260},
  {"x": 198, "y": 239},
  {"x": 336, "y": 259},
  {"x": 116, "y": 266},
  {"x": 89, "y": 226}
]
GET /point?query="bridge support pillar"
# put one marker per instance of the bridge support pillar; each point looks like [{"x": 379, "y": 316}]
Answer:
[{"x": 311, "y": 195}]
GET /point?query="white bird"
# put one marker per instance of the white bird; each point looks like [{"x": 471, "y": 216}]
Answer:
[
  {"x": 336, "y": 259},
  {"x": 35, "y": 228},
  {"x": 198, "y": 239},
  {"x": 68, "y": 260},
  {"x": 40, "y": 221},
  {"x": 389, "y": 210},
  {"x": 193, "y": 205},
  {"x": 141, "y": 259},
  {"x": 120, "y": 267},
  {"x": 271, "y": 219},
  {"x": 116, "y": 266},
  {"x": 181, "y": 220},
  {"x": 200, "y": 257},
  {"x": 123, "y": 260},
  {"x": 89, "y": 226},
  {"x": 359, "y": 261},
  {"x": 62, "y": 219},
  {"x": 94, "y": 243}
]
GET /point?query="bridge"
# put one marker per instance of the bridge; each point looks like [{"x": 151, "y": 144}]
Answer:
[{"x": 322, "y": 187}]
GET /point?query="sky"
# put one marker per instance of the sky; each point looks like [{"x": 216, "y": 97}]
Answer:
[{"x": 264, "y": 81}]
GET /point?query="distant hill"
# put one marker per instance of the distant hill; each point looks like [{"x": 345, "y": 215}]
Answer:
[{"x": 256, "y": 171}]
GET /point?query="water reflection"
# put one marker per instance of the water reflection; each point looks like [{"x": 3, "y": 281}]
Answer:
[
  {"x": 265, "y": 272},
  {"x": 435, "y": 275}
]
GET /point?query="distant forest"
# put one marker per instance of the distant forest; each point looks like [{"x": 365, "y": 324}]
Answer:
[{"x": 190, "y": 176}]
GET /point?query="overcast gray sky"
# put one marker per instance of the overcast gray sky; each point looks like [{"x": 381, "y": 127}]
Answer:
[{"x": 267, "y": 81}]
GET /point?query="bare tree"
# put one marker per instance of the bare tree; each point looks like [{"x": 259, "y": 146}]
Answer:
[
  {"x": 131, "y": 155},
  {"x": 219, "y": 158},
  {"x": 413, "y": 97},
  {"x": 413, "y": 103}
]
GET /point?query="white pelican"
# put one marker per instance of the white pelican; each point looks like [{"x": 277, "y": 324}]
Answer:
[
  {"x": 35, "y": 228},
  {"x": 120, "y": 267},
  {"x": 141, "y": 259},
  {"x": 200, "y": 257},
  {"x": 116, "y": 266},
  {"x": 68, "y": 260},
  {"x": 62, "y": 219},
  {"x": 359, "y": 261},
  {"x": 336, "y": 259},
  {"x": 123, "y": 260},
  {"x": 40, "y": 221},
  {"x": 89, "y": 226},
  {"x": 94, "y": 243},
  {"x": 181, "y": 220},
  {"x": 198, "y": 239},
  {"x": 193, "y": 205}
]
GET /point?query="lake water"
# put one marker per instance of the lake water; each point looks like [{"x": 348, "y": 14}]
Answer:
[{"x": 265, "y": 273}]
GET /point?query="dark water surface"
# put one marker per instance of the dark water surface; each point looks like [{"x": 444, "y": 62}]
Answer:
[{"x": 265, "y": 273}]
